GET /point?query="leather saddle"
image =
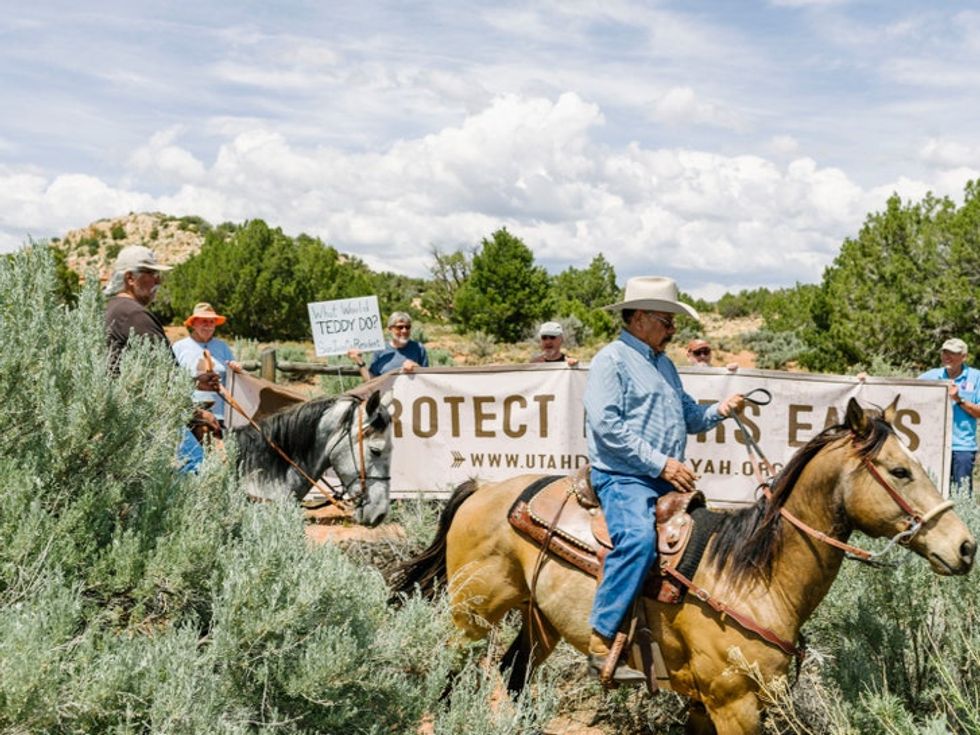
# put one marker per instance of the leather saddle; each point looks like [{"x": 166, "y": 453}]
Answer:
[{"x": 562, "y": 514}]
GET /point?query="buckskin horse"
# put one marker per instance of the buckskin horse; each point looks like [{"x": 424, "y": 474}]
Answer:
[
  {"x": 853, "y": 476},
  {"x": 348, "y": 433}
]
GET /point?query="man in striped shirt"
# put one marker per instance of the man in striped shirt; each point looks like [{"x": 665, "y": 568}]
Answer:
[{"x": 638, "y": 417}]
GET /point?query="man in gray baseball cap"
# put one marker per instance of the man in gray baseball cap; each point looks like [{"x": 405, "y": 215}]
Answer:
[
  {"x": 131, "y": 289},
  {"x": 964, "y": 392}
]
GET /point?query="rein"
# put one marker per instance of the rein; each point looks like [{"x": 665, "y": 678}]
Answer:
[
  {"x": 332, "y": 497},
  {"x": 914, "y": 521}
]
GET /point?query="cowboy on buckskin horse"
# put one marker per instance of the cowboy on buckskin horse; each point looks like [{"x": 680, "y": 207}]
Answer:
[{"x": 637, "y": 420}]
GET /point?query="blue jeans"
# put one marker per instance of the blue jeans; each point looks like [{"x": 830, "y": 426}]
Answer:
[
  {"x": 961, "y": 474},
  {"x": 190, "y": 453},
  {"x": 630, "y": 506}
]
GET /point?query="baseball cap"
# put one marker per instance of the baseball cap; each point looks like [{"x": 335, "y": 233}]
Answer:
[
  {"x": 138, "y": 258},
  {"x": 955, "y": 344},
  {"x": 550, "y": 329}
]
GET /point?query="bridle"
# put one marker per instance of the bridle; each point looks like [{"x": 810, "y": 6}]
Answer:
[
  {"x": 379, "y": 421},
  {"x": 914, "y": 521}
]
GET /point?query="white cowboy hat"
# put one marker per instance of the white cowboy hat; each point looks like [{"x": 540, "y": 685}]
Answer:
[{"x": 653, "y": 293}]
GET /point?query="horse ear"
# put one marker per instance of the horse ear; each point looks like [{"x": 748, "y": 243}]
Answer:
[
  {"x": 892, "y": 411},
  {"x": 373, "y": 401},
  {"x": 856, "y": 420}
]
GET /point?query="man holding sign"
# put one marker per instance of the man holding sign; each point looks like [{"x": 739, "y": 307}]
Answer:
[{"x": 403, "y": 353}]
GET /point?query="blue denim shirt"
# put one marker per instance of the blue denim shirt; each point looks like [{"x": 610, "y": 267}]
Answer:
[
  {"x": 636, "y": 411},
  {"x": 964, "y": 425}
]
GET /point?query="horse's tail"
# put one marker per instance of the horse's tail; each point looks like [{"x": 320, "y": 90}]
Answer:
[{"x": 426, "y": 572}]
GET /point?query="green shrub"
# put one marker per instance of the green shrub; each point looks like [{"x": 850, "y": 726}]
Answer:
[
  {"x": 774, "y": 350},
  {"x": 118, "y": 232},
  {"x": 505, "y": 293},
  {"x": 439, "y": 356},
  {"x": 134, "y": 598},
  {"x": 262, "y": 281},
  {"x": 482, "y": 345},
  {"x": 90, "y": 244}
]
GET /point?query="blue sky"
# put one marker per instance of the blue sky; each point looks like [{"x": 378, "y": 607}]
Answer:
[{"x": 727, "y": 144}]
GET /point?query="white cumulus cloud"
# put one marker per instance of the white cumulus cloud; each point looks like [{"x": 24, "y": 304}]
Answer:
[{"x": 535, "y": 165}]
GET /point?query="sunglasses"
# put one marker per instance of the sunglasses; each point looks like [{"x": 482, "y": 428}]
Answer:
[
  {"x": 669, "y": 323},
  {"x": 702, "y": 352},
  {"x": 401, "y": 328}
]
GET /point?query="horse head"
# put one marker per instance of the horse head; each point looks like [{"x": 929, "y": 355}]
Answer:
[
  {"x": 888, "y": 494},
  {"x": 360, "y": 454}
]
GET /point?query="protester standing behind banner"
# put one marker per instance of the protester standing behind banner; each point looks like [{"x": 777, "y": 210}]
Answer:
[
  {"x": 551, "y": 336},
  {"x": 964, "y": 392},
  {"x": 637, "y": 420},
  {"x": 402, "y": 353},
  {"x": 699, "y": 355},
  {"x": 190, "y": 354}
]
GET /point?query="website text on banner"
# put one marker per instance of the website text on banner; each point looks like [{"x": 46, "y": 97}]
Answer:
[
  {"x": 341, "y": 324},
  {"x": 451, "y": 425}
]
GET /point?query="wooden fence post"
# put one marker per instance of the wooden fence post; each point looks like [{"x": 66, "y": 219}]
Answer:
[{"x": 267, "y": 367}]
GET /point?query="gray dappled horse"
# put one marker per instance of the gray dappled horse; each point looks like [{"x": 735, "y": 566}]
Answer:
[{"x": 347, "y": 433}]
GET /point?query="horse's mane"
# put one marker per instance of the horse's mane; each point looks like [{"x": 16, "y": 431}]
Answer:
[
  {"x": 293, "y": 430},
  {"x": 747, "y": 540}
]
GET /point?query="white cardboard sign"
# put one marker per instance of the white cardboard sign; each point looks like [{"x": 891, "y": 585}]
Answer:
[{"x": 341, "y": 324}]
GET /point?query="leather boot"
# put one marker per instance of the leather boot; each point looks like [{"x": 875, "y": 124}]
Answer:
[{"x": 599, "y": 651}]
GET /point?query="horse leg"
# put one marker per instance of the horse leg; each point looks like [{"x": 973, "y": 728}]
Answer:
[
  {"x": 738, "y": 716},
  {"x": 698, "y": 721},
  {"x": 478, "y": 605},
  {"x": 533, "y": 644}
]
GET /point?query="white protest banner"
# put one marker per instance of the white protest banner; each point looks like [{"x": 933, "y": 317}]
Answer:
[
  {"x": 495, "y": 423},
  {"x": 341, "y": 324}
]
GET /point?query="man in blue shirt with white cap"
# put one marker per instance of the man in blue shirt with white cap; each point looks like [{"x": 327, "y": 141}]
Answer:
[
  {"x": 638, "y": 417},
  {"x": 964, "y": 392}
]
